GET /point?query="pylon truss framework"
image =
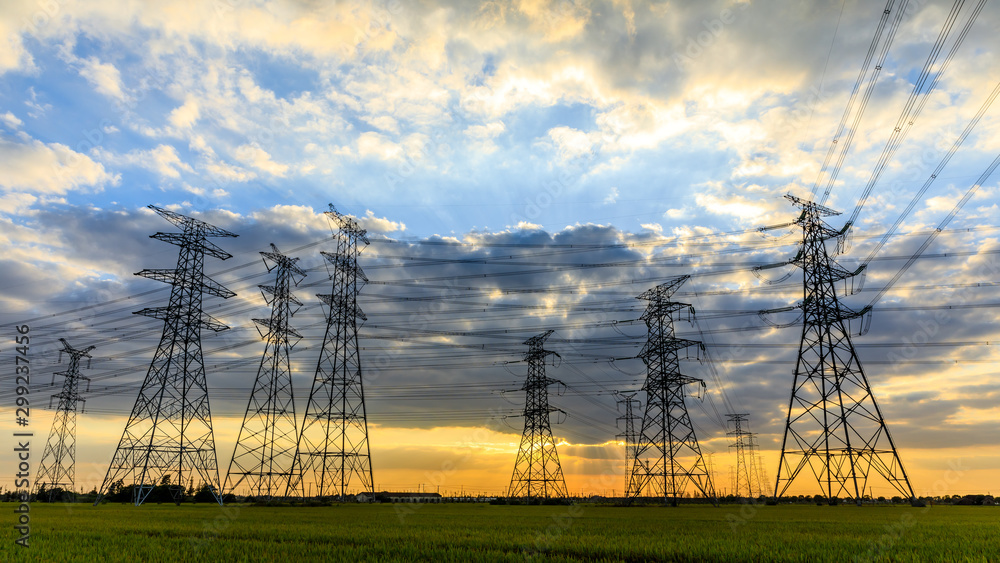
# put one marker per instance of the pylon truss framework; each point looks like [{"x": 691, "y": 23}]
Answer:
[
  {"x": 667, "y": 454},
  {"x": 747, "y": 480},
  {"x": 537, "y": 471},
  {"x": 57, "y": 469},
  {"x": 629, "y": 433},
  {"x": 834, "y": 428},
  {"x": 265, "y": 449},
  {"x": 168, "y": 438},
  {"x": 333, "y": 453}
]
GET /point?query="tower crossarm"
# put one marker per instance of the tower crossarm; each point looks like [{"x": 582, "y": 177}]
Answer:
[
  {"x": 164, "y": 313},
  {"x": 345, "y": 263},
  {"x": 806, "y": 205},
  {"x": 284, "y": 294},
  {"x": 660, "y": 347},
  {"x": 350, "y": 306},
  {"x": 658, "y": 309},
  {"x": 347, "y": 225},
  {"x": 664, "y": 290},
  {"x": 274, "y": 326},
  {"x": 193, "y": 241},
  {"x": 204, "y": 285},
  {"x": 190, "y": 224},
  {"x": 282, "y": 261}
]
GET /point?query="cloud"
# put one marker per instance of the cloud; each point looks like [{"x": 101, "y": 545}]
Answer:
[
  {"x": 379, "y": 225},
  {"x": 104, "y": 77},
  {"x": 10, "y": 120},
  {"x": 15, "y": 20},
  {"x": 51, "y": 168},
  {"x": 612, "y": 197},
  {"x": 259, "y": 158},
  {"x": 186, "y": 115},
  {"x": 162, "y": 159},
  {"x": 371, "y": 144}
]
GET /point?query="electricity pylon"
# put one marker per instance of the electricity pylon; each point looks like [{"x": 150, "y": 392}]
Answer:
[
  {"x": 747, "y": 474},
  {"x": 169, "y": 435},
  {"x": 265, "y": 450},
  {"x": 537, "y": 471},
  {"x": 834, "y": 427},
  {"x": 667, "y": 454},
  {"x": 332, "y": 448},
  {"x": 629, "y": 436},
  {"x": 58, "y": 466}
]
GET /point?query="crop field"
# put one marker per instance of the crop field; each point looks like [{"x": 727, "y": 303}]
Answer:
[{"x": 479, "y": 532}]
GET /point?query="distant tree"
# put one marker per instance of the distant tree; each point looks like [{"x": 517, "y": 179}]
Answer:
[{"x": 204, "y": 494}]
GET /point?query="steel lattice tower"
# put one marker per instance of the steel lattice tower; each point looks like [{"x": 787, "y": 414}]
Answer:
[
  {"x": 834, "y": 426},
  {"x": 537, "y": 472},
  {"x": 333, "y": 446},
  {"x": 265, "y": 450},
  {"x": 169, "y": 435},
  {"x": 628, "y": 435},
  {"x": 667, "y": 454},
  {"x": 747, "y": 475},
  {"x": 58, "y": 466}
]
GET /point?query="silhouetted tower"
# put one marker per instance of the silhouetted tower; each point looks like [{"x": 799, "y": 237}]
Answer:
[
  {"x": 537, "y": 472},
  {"x": 765, "y": 483},
  {"x": 58, "y": 466},
  {"x": 265, "y": 450},
  {"x": 747, "y": 475},
  {"x": 333, "y": 446},
  {"x": 667, "y": 452},
  {"x": 629, "y": 435},
  {"x": 834, "y": 427},
  {"x": 168, "y": 437}
]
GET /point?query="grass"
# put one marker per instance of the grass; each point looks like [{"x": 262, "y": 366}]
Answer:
[{"x": 463, "y": 532}]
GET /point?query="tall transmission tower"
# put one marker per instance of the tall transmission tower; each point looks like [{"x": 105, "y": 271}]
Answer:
[
  {"x": 169, "y": 434},
  {"x": 834, "y": 428},
  {"x": 537, "y": 471},
  {"x": 333, "y": 449},
  {"x": 58, "y": 467},
  {"x": 747, "y": 474},
  {"x": 667, "y": 453},
  {"x": 629, "y": 435},
  {"x": 765, "y": 483},
  {"x": 265, "y": 450}
]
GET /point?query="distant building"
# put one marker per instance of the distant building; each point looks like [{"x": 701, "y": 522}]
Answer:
[{"x": 386, "y": 496}]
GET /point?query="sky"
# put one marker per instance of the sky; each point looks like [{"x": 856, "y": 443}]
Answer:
[{"x": 519, "y": 167}]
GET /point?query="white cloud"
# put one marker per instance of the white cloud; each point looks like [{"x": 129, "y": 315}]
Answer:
[
  {"x": 259, "y": 158},
  {"x": 371, "y": 144},
  {"x": 300, "y": 218},
  {"x": 186, "y": 115},
  {"x": 16, "y": 204},
  {"x": 166, "y": 161},
  {"x": 162, "y": 159},
  {"x": 13, "y": 55},
  {"x": 571, "y": 143},
  {"x": 736, "y": 206},
  {"x": 48, "y": 168},
  {"x": 528, "y": 226},
  {"x": 385, "y": 123},
  {"x": 379, "y": 225},
  {"x": 10, "y": 120},
  {"x": 104, "y": 77},
  {"x": 225, "y": 172},
  {"x": 612, "y": 196},
  {"x": 483, "y": 135}
]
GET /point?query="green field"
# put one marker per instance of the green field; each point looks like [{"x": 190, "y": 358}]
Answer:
[{"x": 465, "y": 532}]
